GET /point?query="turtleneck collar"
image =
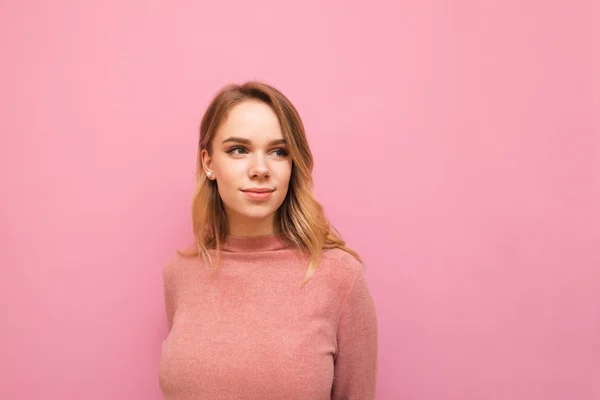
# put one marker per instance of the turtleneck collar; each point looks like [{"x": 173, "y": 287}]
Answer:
[{"x": 256, "y": 243}]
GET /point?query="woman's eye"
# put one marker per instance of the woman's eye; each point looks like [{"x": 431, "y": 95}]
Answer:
[
  {"x": 281, "y": 151},
  {"x": 234, "y": 149}
]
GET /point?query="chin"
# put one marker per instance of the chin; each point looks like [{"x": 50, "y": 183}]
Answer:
[{"x": 258, "y": 214}]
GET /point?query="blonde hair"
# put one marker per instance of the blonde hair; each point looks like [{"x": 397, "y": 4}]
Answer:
[{"x": 300, "y": 218}]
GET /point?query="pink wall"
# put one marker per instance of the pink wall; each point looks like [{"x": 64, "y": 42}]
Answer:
[{"x": 457, "y": 149}]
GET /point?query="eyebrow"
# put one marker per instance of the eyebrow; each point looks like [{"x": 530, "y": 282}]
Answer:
[{"x": 249, "y": 142}]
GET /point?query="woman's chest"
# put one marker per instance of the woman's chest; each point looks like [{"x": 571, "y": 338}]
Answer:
[{"x": 248, "y": 342}]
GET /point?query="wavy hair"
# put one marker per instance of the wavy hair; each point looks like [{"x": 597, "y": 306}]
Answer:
[{"x": 300, "y": 218}]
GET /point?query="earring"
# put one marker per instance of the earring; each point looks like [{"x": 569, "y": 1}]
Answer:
[{"x": 209, "y": 174}]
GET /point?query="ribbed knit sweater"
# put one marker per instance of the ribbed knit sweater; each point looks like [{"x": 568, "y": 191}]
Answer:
[{"x": 253, "y": 332}]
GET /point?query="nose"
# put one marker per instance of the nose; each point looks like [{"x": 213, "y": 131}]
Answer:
[{"x": 259, "y": 167}]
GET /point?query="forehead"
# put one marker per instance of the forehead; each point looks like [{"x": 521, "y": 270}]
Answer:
[{"x": 250, "y": 119}]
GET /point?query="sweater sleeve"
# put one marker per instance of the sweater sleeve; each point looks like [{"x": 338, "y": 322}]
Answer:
[
  {"x": 169, "y": 294},
  {"x": 355, "y": 362}
]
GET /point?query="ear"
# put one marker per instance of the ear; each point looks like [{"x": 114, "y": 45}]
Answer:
[{"x": 206, "y": 160}]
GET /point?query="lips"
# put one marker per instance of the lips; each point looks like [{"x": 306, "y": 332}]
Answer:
[
  {"x": 258, "y": 190},
  {"x": 258, "y": 193}
]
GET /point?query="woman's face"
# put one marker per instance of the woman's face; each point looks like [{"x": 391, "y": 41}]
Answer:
[{"x": 249, "y": 153}]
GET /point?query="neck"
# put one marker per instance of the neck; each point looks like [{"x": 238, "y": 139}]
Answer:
[
  {"x": 268, "y": 242},
  {"x": 244, "y": 226}
]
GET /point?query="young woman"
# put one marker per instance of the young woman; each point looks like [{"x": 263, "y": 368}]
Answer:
[{"x": 268, "y": 303}]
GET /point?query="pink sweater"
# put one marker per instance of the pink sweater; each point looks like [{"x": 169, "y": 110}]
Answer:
[{"x": 252, "y": 332}]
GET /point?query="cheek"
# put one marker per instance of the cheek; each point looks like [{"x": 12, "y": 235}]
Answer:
[
  {"x": 228, "y": 184},
  {"x": 229, "y": 173},
  {"x": 284, "y": 172},
  {"x": 289, "y": 176}
]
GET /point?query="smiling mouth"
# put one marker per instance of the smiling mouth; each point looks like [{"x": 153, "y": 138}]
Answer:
[
  {"x": 258, "y": 190},
  {"x": 259, "y": 196}
]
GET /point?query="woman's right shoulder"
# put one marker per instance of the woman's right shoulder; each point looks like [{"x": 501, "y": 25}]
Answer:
[{"x": 180, "y": 257}]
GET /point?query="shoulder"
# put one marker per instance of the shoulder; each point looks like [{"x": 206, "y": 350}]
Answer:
[
  {"x": 342, "y": 261},
  {"x": 178, "y": 261},
  {"x": 341, "y": 268}
]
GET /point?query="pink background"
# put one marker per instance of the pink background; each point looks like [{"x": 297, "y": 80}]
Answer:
[{"x": 457, "y": 149}]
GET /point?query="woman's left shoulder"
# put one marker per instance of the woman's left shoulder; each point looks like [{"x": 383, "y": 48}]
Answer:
[{"x": 341, "y": 263}]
